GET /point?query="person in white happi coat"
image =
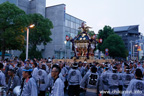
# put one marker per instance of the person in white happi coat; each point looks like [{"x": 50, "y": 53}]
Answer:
[
  {"x": 41, "y": 78},
  {"x": 2, "y": 76},
  {"x": 51, "y": 80},
  {"x": 113, "y": 82},
  {"x": 14, "y": 81},
  {"x": 126, "y": 78},
  {"x": 58, "y": 85},
  {"x": 104, "y": 80},
  {"x": 136, "y": 86},
  {"x": 28, "y": 86},
  {"x": 48, "y": 70},
  {"x": 64, "y": 71},
  {"x": 74, "y": 79},
  {"x": 90, "y": 82}
]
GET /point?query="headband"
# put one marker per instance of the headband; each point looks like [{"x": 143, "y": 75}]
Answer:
[{"x": 27, "y": 70}]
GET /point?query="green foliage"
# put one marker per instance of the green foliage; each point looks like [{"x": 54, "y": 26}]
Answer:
[
  {"x": 103, "y": 34},
  {"x": 115, "y": 45},
  {"x": 41, "y": 32},
  {"x": 34, "y": 54},
  {"x": 22, "y": 56},
  {"x": 12, "y": 24},
  {"x": 91, "y": 33}
]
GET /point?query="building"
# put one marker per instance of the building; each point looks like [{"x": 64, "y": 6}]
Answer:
[
  {"x": 64, "y": 24},
  {"x": 29, "y": 6},
  {"x": 129, "y": 35}
]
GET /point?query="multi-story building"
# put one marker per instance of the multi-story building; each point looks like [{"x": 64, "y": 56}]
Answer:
[
  {"x": 63, "y": 23},
  {"x": 129, "y": 35},
  {"x": 29, "y": 6}
]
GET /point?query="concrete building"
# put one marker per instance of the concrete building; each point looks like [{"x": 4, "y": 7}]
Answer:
[
  {"x": 29, "y": 6},
  {"x": 129, "y": 35},
  {"x": 11, "y": 1},
  {"x": 64, "y": 24},
  {"x": 142, "y": 48}
]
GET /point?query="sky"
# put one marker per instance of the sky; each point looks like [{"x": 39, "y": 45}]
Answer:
[{"x": 98, "y": 13}]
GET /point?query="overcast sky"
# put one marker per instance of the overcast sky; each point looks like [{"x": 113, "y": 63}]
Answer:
[{"x": 98, "y": 13}]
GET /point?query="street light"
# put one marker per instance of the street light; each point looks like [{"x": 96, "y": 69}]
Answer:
[
  {"x": 30, "y": 26},
  {"x": 131, "y": 48},
  {"x": 134, "y": 50},
  {"x": 65, "y": 48}
]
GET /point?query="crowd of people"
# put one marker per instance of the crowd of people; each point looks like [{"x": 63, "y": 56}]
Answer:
[{"x": 46, "y": 78}]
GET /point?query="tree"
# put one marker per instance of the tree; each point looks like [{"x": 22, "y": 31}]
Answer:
[
  {"x": 91, "y": 33},
  {"x": 104, "y": 34},
  {"x": 115, "y": 45},
  {"x": 40, "y": 34},
  {"x": 12, "y": 24}
]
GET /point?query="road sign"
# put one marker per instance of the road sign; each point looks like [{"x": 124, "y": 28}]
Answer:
[
  {"x": 100, "y": 40},
  {"x": 106, "y": 50},
  {"x": 106, "y": 53}
]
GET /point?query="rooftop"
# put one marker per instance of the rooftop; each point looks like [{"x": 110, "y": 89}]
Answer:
[{"x": 125, "y": 28}]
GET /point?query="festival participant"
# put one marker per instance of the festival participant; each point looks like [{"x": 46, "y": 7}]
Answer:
[
  {"x": 80, "y": 67},
  {"x": 64, "y": 73},
  {"x": 11, "y": 66},
  {"x": 126, "y": 78},
  {"x": 85, "y": 68},
  {"x": 74, "y": 79},
  {"x": 28, "y": 64},
  {"x": 57, "y": 88},
  {"x": 15, "y": 63},
  {"x": 100, "y": 68},
  {"x": 13, "y": 82},
  {"x": 48, "y": 67},
  {"x": 19, "y": 70},
  {"x": 104, "y": 79},
  {"x": 90, "y": 82},
  {"x": 134, "y": 68},
  {"x": 131, "y": 67},
  {"x": 49, "y": 59},
  {"x": 51, "y": 80},
  {"x": 113, "y": 81},
  {"x": 2, "y": 75},
  {"x": 136, "y": 86},
  {"x": 142, "y": 69},
  {"x": 139, "y": 65},
  {"x": 28, "y": 86},
  {"x": 41, "y": 78},
  {"x": 48, "y": 70}
]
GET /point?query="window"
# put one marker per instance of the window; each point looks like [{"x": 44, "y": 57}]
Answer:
[
  {"x": 73, "y": 19},
  {"x": 67, "y": 17},
  {"x": 77, "y": 26},
  {"x": 77, "y": 21},
  {"x": 67, "y": 23},
  {"x": 73, "y": 25}
]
